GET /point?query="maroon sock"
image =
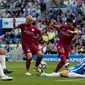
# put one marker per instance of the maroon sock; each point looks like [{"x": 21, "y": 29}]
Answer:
[
  {"x": 61, "y": 63},
  {"x": 28, "y": 62},
  {"x": 38, "y": 61}
]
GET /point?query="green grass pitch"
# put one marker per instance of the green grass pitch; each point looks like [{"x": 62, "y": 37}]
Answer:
[{"x": 21, "y": 79}]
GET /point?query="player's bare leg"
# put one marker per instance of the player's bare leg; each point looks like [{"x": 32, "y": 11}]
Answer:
[
  {"x": 28, "y": 62},
  {"x": 75, "y": 75},
  {"x": 67, "y": 73},
  {"x": 39, "y": 58},
  {"x": 59, "y": 74},
  {"x": 63, "y": 60}
]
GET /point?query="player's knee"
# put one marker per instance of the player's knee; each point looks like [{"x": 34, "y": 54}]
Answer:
[
  {"x": 2, "y": 51},
  {"x": 39, "y": 54},
  {"x": 61, "y": 51},
  {"x": 29, "y": 55},
  {"x": 61, "y": 74},
  {"x": 30, "y": 58}
]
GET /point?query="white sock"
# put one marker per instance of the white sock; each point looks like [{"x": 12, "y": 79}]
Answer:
[
  {"x": 1, "y": 71},
  {"x": 3, "y": 61},
  {"x": 53, "y": 75},
  {"x": 75, "y": 75}
]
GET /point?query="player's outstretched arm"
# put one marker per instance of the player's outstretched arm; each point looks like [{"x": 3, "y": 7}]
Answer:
[
  {"x": 53, "y": 25},
  {"x": 76, "y": 31},
  {"x": 57, "y": 27},
  {"x": 44, "y": 31}
]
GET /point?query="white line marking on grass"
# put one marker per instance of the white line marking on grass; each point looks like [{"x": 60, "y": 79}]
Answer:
[
  {"x": 70, "y": 80},
  {"x": 30, "y": 67}
]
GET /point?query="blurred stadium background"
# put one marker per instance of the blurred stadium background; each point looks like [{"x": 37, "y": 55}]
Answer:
[{"x": 42, "y": 11}]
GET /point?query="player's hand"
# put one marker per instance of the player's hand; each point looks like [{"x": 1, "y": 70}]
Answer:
[
  {"x": 14, "y": 19},
  {"x": 76, "y": 32}
]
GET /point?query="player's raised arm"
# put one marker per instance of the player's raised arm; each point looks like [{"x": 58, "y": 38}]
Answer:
[
  {"x": 41, "y": 32},
  {"x": 14, "y": 23},
  {"x": 19, "y": 26},
  {"x": 51, "y": 26},
  {"x": 57, "y": 27}
]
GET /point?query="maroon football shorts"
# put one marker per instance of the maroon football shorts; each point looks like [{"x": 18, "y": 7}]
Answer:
[
  {"x": 67, "y": 49},
  {"x": 33, "y": 49}
]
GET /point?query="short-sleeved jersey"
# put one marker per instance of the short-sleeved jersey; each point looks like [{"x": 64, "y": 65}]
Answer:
[
  {"x": 65, "y": 38},
  {"x": 79, "y": 69},
  {"x": 30, "y": 34}
]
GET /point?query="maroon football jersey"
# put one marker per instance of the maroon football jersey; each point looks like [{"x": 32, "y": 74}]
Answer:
[
  {"x": 65, "y": 37},
  {"x": 30, "y": 34}
]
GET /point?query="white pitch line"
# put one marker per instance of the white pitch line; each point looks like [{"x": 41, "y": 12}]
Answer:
[
  {"x": 71, "y": 80},
  {"x": 30, "y": 67}
]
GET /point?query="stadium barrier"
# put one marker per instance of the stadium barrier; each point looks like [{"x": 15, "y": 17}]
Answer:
[
  {"x": 54, "y": 58},
  {"x": 17, "y": 55},
  {"x": 8, "y": 22}
]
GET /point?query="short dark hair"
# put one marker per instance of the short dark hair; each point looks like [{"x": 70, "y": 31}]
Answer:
[{"x": 69, "y": 20}]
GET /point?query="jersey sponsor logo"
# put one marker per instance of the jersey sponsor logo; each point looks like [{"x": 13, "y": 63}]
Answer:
[
  {"x": 36, "y": 37},
  {"x": 33, "y": 30},
  {"x": 28, "y": 50},
  {"x": 66, "y": 34},
  {"x": 28, "y": 32}
]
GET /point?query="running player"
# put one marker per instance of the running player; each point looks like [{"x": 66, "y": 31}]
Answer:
[
  {"x": 67, "y": 32},
  {"x": 30, "y": 42}
]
